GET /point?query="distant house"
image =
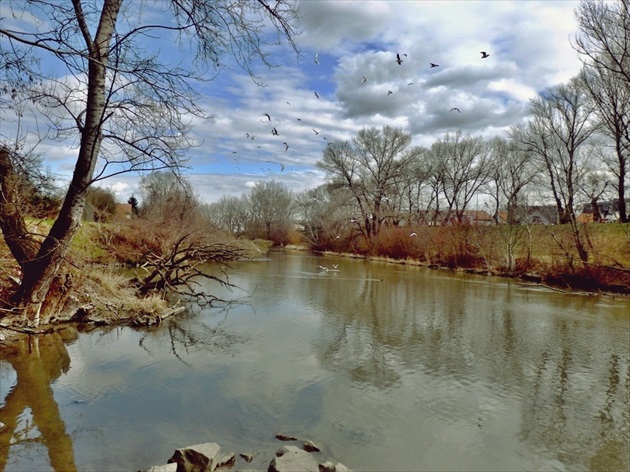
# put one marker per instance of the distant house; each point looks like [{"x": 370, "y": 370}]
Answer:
[
  {"x": 536, "y": 214},
  {"x": 608, "y": 210},
  {"x": 471, "y": 217},
  {"x": 123, "y": 212}
]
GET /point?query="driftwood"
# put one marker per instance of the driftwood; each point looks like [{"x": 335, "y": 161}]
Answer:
[
  {"x": 555, "y": 289},
  {"x": 179, "y": 268}
]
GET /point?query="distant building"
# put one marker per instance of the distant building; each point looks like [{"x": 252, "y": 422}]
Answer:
[
  {"x": 608, "y": 210},
  {"x": 536, "y": 214},
  {"x": 471, "y": 217}
]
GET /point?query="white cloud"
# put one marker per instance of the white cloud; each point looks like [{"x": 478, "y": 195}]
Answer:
[{"x": 529, "y": 48}]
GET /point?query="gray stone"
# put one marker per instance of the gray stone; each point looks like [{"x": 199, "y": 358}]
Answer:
[
  {"x": 339, "y": 467},
  {"x": 247, "y": 457},
  {"x": 164, "y": 468},
  {"x": 197, "y": 458},
  {"x": 310, "y": 446},
  {"x": 227, "y": 459},
  {"x": 329, "y": 466},
  {"x": 293, "y": 459}
]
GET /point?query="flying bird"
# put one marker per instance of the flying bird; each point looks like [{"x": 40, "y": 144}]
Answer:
[
  {"x": 455, "y": 109},
  {"x": 410, "y": 83},
  {"x": 398, "y": 59},
  {"x": 389, "y": 92},
  {"x": 274, "y": 131},
  {"x": 484, "y": 54},
  {"x": 286, "y": 146},
  {"x": 315, "y": 131},
  {"x": 316, "y": 58},
  {"x": 413, "y": 234},
  {"x": 268, "y": 117},
  {"x": 433, "y": 65},
  {"x": 364, "y": 80},
  {"x": 316, "y": 94},
  {"x": 299, "y": 119}
]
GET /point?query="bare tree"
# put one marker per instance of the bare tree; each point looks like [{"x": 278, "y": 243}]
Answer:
[
  {"x": 610, "y": 94},
  {"x": 562, "y": 122},
  {"x": 604, "y": 35},
  {"x": 370, "y": 168},
  {"x": 231, "y": 214},
  {"x": 271, "y": 207},
  {"x": 126, "y": 109},
  {"x": 463, "y": 163},
  {"x": 327, "y": 215},
  {"x": 603, "y": 41},
  {"x": 513, "y": 170}
]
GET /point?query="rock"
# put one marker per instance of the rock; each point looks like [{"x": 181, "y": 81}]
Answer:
[
  {"x": 247, "y": 457},
  {"x": 329, "y": 466},
  {"x": 226, "y": 459},
  {"x": 286, "y": 437},
  {"x": 197, "y": 458},
  {"x": 339, "y": 467},
  {"x": 310, "y": 446},
  {"x": 164, "y": 468},
  {"x": 293, "y": 459}
]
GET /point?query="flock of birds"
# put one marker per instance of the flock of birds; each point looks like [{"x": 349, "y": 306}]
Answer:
[{"x": 274, "y": 131}]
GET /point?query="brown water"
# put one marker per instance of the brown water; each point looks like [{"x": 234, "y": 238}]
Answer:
[{"x": 386, "y": 367}]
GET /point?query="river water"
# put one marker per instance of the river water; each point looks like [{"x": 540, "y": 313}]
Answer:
[{"x": 386, "y": 367}]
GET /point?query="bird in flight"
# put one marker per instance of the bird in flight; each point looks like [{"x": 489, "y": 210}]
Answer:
[
  {"x": 412, "y": 235},
  {"x": 389, "y": 92},
  {"x": 398, "y": 59},
  {"x": 316, "y": 94},
  {"x": 455, "y": 109},
  {"x": 286, "y": 146},
  {"x": 267, "y": 115},
  {"x": 364, "y": 80},
  {"x": 274, "y": 131},
  {"x": 433, "y": 65},
  {"x": 316, "y": 58},
  {"x": 484, "y": 54},
  {"x": 315, "y": 131}
]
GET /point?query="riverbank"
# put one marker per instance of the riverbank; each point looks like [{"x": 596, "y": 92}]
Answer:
[
  {"x": 100, "y": 285},
  {"x": 534, "y": 254}
]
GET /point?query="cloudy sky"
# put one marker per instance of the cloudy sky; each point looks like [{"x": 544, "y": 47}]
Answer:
[{"x": 312, "y": 103}]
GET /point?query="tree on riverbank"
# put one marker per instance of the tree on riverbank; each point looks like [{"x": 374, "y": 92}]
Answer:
[
  {"x": 128, "y": 108},
  {"x": 604, "y": 44}
]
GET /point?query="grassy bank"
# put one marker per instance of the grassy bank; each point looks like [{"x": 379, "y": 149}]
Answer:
[
  {"x": 545, "y": 254},
  {"x": 99, "y": 283}
]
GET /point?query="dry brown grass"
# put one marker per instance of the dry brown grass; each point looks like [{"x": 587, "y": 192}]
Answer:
[{"x": 544, "y": 253}]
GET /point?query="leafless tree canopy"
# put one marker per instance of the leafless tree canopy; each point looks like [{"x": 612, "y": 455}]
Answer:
[{"x": 125, "y": 105}]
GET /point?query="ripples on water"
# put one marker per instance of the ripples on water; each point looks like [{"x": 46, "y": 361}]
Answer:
[{"x": 387, "y": 367}]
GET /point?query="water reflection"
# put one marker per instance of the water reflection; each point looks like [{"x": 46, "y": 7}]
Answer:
[
  {"x": 390, "y": 367},
  {"x": 37, "y": 362}
]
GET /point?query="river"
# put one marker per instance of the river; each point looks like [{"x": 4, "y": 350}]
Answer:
[{"x": 386, "y": 367}]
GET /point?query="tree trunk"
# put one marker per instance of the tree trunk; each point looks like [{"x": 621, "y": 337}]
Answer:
[
  {"x": 623, "y": 214},
  {"x": 18, "y": 239},
  {"x": 39, "y": 273},
  {"x": 597, "y": 215}
]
